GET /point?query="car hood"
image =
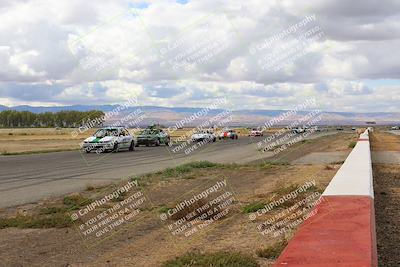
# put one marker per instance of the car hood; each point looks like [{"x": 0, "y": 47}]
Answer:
[
  {"x": 200, "y": 135},
  {"x": 94, "y": 139},
  {"x": 146, "y": 136}
]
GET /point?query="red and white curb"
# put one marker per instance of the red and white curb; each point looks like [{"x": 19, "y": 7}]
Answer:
[{"x": 341, "y": 232}]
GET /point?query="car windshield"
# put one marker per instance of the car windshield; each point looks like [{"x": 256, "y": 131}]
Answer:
[
  {"x": 106, "y": 132},
  {"x": 148, "y": 131}
]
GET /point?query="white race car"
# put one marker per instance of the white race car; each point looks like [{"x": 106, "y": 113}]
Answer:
[
  {"x": 203, "y": 135},
  {"x": 256, "y": 132},
  {"x": 299, "y": 130},
  {"x": 109, "y": 139}
]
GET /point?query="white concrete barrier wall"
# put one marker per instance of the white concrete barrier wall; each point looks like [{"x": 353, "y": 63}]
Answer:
[
  {"x": 354, "y": 178},
  {"x": 342, "y": 230}
]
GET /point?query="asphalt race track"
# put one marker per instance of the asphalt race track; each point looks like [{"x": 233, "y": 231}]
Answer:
[{"x": 29, "y": 178}]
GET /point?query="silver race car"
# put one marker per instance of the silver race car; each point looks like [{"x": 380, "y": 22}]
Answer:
[
  {"x": 204, "y": 135},
  {"x": 109, "y": 139}
]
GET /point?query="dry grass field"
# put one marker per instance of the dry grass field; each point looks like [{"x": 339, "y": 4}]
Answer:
[
  {"x": 56, "y": 242},
  {"x": 36, "y": 140}
]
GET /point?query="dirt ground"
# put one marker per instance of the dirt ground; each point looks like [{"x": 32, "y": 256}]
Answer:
[
  {"x": 387, "y": 201},
  {"x": 148, "y": 241},
  {"x": 331, "y": 143},
  {"x": 382, "y": 141}
]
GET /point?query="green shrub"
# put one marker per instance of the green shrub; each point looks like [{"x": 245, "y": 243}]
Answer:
[
  {"x": 273, "y": 251},
  {"x": 352, "y": 144},
  {"x": 219, "y": 259},
  {"x": 75, "y": 201},
  {"x": 52, "y": 210},
  {"x": 253, "y": 207},
  {"x": 53, "y": 221},
  {"x": 163, "y": 209},
  {"x": 186, "y": 168}
]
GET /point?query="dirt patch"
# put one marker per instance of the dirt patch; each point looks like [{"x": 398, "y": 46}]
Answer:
[
  {"x": 323, "y": 157},
  {"x": 148, "y": 242},
  {"x": 28, "y": 146},
  {"x": 382, "y": 141},
  {"x": 331, "y": 143},
  {"x": 386, "y": 157}
]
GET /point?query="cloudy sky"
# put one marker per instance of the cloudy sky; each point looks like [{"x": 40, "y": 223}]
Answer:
[{"x": 259, "y": 54}]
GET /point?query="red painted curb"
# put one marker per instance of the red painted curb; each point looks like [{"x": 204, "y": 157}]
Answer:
[{"x": 340, "y": 234}]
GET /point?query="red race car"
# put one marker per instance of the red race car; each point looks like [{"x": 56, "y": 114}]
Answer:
[{"x": 228, "y": 134}]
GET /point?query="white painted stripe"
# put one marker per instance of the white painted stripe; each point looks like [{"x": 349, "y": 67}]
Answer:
[{"x": 354, "y": 178}]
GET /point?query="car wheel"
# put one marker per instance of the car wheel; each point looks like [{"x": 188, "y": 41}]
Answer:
[
  {"x": 157, "y": 142},
  {"x": 115, "y": 148},
  {"x": 236, "y": 137},
  {"x": 214, "y": 139},
  {"x": 132, "y": 146},
  {"x": 87, "y": 150},
  {"x": 167, "y": 142}
]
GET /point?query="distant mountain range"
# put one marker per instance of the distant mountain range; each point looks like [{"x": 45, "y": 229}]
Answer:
[{"x": 171, "y": 115}]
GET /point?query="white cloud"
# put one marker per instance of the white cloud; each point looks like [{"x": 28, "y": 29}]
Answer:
[{"x": 99, "y": 53}]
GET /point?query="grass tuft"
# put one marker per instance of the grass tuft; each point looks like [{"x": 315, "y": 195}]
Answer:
[
  {"x": 280, "y": 192},
  {"x": 75, "y": 201},
  {"x": 163, "y": 209},
  {"x": 273, "y": 251},
  {"x": 54, "y": 221},
  {"x": 219, "y": 259},
  {"x": 187, "y": 168},
  {"x": 90, "y": 188},
  {"x": 269, "y": 164},
  {"x": 329, "y": 167},
  {"x": 253, "y": 207},
  {"x": 352, "y": 144},
  {"x": 47, "y": 217},
  {"x": 53, "y": 210}
]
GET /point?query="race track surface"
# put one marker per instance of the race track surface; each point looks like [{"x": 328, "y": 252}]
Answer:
[{"x": 29, "y": 178}]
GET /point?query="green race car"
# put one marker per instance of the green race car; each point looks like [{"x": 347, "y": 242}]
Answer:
[{"x": 152, "y": 136}]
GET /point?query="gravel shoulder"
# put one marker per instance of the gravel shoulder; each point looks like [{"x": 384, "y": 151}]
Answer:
[
  {"x": 387, "y": 211},
  {"x": 387, "y": 201}
]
